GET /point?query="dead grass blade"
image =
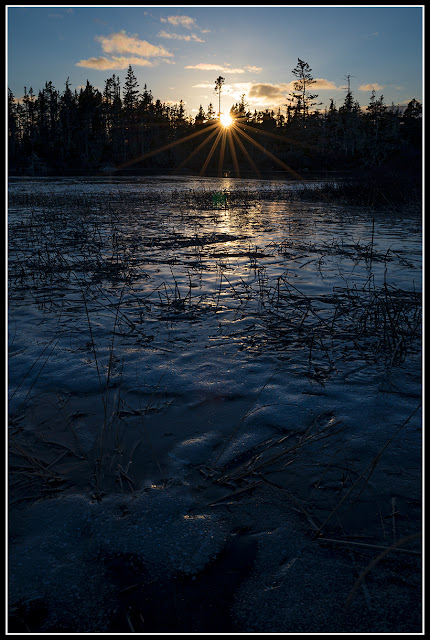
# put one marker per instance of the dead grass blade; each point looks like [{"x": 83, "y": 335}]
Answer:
[
  {"x": 366, "y": 545},
  {"x": 370, "y": 566},
  {"x": 370, "y": 467}
]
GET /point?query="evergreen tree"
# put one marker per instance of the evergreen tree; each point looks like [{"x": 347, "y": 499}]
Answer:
[
  {"x": 131, "y": 92},
  {"x": 302, "y": 95},
  {"x": 218, "y": 88},
  {"x": 13, "y": 128},
  {"x": 413, "y": 110},
  {"x": 68, "y": 123},
  {"x": 200, "y": 117},
  {"x": 240, "y": 109},
  {"x": 130, "y": 122},
  {"x": 349, "y": 124},
  {"x": 211, "y": 115}
]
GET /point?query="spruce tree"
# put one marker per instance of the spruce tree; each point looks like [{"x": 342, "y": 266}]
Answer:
[
  {"x": 301, "y": 95},
  {"x": 131, "y": 91}
]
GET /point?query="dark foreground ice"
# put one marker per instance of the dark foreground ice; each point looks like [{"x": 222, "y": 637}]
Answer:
[{"x": 214, "y": 410}]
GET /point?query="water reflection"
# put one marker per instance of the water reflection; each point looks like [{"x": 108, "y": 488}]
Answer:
[{"x": 187, "y": 266}]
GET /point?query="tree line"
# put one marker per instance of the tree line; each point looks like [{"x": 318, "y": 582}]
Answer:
[{"x": 92, "y": 131}]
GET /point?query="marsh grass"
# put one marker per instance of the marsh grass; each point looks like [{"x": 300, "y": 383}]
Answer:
[
  {"x": 78, "y": 252},
  {"x": 112, "y": 278}
]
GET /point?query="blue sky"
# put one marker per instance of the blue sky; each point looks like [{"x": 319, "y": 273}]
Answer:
[{"x": 179, "y": 51}]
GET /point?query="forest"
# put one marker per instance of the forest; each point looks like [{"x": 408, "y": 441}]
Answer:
[{"x": 89, "y": 132}]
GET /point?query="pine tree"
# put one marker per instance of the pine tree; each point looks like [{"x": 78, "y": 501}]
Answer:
[
  {"x": 130, "y": 103},
  {"x": 413, "y": 110},
  {"x": 211, "y": 115},
  {"x": 131, "y": 91},
  {"x": 13, "y": 128},
  {"x": 218, "y": 88},
  {"x": 301, "y": 95},
  {"x": 200, "y": 117}
]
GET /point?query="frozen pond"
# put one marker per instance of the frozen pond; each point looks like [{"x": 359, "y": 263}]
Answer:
[{"x": 191, "y": 354}]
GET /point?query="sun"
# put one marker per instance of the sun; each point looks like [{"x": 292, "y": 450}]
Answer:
[{"x": 226, "y": 120}]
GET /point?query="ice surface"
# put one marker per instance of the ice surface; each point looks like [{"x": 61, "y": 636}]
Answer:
[{"x": 177, "y": 342}]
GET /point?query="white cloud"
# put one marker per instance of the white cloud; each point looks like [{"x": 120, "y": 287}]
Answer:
[
  {"x": 370, "y": 87},
  {"x": 136, "y": 52},
  {"x": 175, "y": 36},
  {"x": 183, "y": 21},
  {"x": 203, "y": 66},
  {"x": 115, "y": 62},
  {"x": 122, "y": 43},
  {"x": 323, "y": 85}
]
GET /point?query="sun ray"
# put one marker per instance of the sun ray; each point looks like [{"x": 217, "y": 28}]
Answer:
[
  {"x": 268, "y": 153},
  {"x": 231, "y": 129},
  {"x": 210, "y": 154},
  {"x": 276, "y": 136},
  {"x": 233, "y": 152},
  {"x": 244, "y": 151},
  {"x": 222, "y": 151},
  {"x": 196, "y": 150},
  {"x": 167, "y": 146}
]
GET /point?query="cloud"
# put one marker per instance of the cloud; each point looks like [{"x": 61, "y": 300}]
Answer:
[
  {"x": 324, "y": 85},
  {"x": 202, "y": 66},
  {"x": 267, "y": 95},
  {"x": 175, "y": 36},
  {"x": 275, "y": 95},
  {"x": 262, "y": 95},
  {"x": 265, "y": 91},
  {"x": 122, "y": 43},
  {"x": 370, "y": 87},
  {"x": 114, "y": 63},
  {"x": 183, "y": 21},
  {"x": 60, "y": 15},
  {"x": 136, "y": 53}
]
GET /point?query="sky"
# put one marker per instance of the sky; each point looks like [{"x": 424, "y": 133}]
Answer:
[{"x": 179, "y": 51}]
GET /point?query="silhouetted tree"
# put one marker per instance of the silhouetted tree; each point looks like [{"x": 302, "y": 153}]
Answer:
[
  {"x": 240, "y": 109},
  {"x": 200, "y": 117},
  {"x": 87, "y": 130},
  {"x": 130, "y": 92},
  {"x": 13, "y": 128},
  {"x": 210, "y": 115},
  {"x": 301, "y": 95},
  {"x": 413, "y": 110},
  {"x": 218, "y": 88}
]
